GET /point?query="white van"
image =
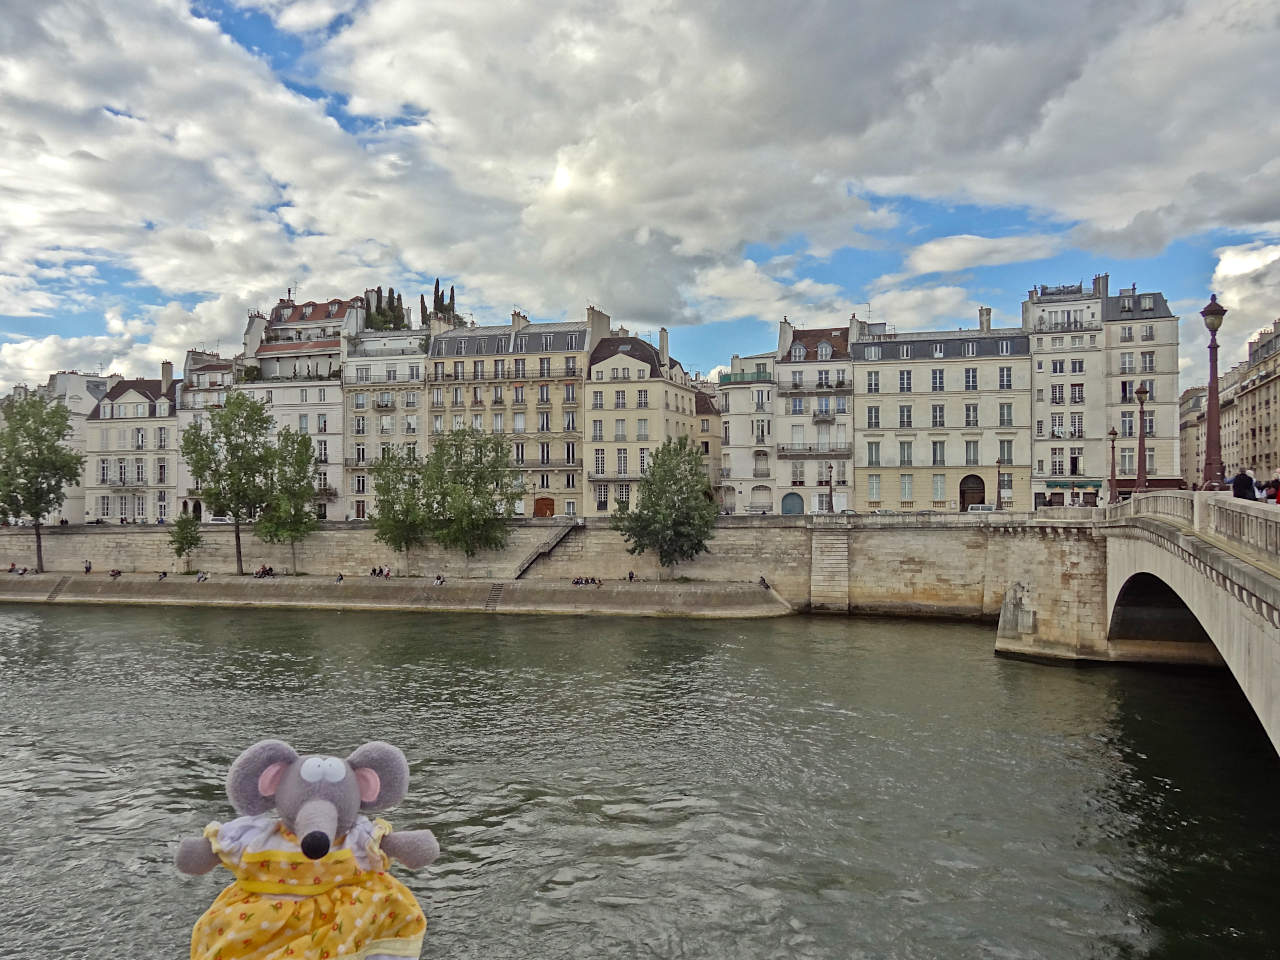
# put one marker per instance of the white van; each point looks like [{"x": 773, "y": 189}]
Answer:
[{"x": 983, "y": 508}]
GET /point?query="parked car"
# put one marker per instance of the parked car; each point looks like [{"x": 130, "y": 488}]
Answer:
[
  {"x": 983, "y": 508},
  {"x": 218, "y": 520}
]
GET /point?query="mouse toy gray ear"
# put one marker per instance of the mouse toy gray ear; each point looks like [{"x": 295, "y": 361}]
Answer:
[
  {"x": 383, "y": 774},
  {"x": 253, "y": 778}
]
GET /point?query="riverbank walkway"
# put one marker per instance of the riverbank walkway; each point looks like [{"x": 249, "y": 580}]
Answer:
[{"x": 667, "y": 598}]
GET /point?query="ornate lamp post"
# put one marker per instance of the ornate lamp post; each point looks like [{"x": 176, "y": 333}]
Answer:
[
  {"x": 1140, "y": 482},
  {"x": 1115, "y": 493},
  {"x": 1212, "y": 479}
]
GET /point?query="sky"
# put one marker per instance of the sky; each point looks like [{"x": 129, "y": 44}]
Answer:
[{"x": 708, "y": 166}]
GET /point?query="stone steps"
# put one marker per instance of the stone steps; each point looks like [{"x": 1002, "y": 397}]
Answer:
[
  {"x": 829, "y": 571},
  {"x": 58, "y": 588},
  {"x": 494, "y": 598}
]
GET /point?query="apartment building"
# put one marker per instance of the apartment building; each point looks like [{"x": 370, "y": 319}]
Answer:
[
  {"x": 1093, "y": 352},
  {"x": 293, "y": 358},
  {"x": 1191, "y": 410},
  {"x": 131, "y": 455},
  {"x": 1258, "y": 400},
  {"x": 525, "y": 381},
  {"x": 943, "y": 417},
  {"x": 640, "y": 397},
  {"x": 813, "y": 419},
  {"x": 747, "y": 481},
  {"x": 707, "y": 438},
  {"x": 207, "y": 378}
]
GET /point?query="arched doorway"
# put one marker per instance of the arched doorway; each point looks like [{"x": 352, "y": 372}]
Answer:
[
  {"x": 544, "y": 507},
  {"x": 792, "y": 504},
  {"x": 761, "y": 499},
  {"x": 972, "y": 490},
  {"x": 195, "y": 510},
  {"x": 729, "y": 499}
]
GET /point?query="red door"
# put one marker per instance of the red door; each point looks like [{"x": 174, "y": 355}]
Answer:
[{"x": 544, "y": 507}]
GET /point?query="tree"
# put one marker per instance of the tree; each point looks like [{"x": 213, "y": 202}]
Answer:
[
  {"x": 399, "y": 511},
  {"x": 232, "y": 458},
  {"x": 676, "y": 513},
  {"x": 470, "y": 488},
  {"x": 185, "y": 537},
  {"x": 289, "y": 516},
  {"x": 35, "y": 467}
]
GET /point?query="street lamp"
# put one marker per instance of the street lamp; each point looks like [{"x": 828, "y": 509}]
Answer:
[
  {"x": 1115, "y": 494},
  {"x": 1140, "y": 483},
  {"x": 1212, "y": 479},
  {"x": 831, "y": 491}
]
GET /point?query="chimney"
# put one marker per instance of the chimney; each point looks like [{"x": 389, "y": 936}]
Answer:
[
  {"x": 166, "y": 376},
  {"x": 597, "y": 326},
  {"x": 662, "y": 346},
  {"x": 518, "y": 321},
  {"x": 984, "y": 319}
]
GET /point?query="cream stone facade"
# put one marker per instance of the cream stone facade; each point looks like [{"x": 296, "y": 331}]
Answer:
[
  {"x": 1258, "y": 400},
  {"x": 1191, "y": 408},
  {"x": 207, "y": 379},
  {"x": 1092, "y": 353},
  {"x": 639, "y": 397},
  {"x": 942, "y": 417},
  {"x": 131, "y": 452},
  {"x": 747, "y": 456},
  {"x": 524, "y": 381},
  {"x": 708, "y": 432}
]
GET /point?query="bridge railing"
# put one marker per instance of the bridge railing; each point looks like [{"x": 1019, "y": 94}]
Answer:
[
  {"x": 1254, "y": 526},
  {"x": 1251, "y": 530}
]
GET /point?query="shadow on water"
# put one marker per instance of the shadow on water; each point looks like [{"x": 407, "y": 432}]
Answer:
[{"x": 1200, "y": 786}]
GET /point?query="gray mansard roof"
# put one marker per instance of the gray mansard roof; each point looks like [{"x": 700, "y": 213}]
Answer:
[
  {"x": 445, "y": 344},
  {"x": 1111, "y": 308},
  {"x": 953, "y": 341}
]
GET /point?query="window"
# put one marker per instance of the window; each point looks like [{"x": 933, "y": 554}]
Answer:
[
  {"x": 597, "y": 430},
  {"x": 1126, "y": 423},
  {"x": 971, "y": 453},
  {"x": 140, "y": 438},
  {"x": 1149, "y": 422},
  {"x": 1075, "y": 466},
  {"x": 1056, "y": 461},
  {"x": 322, "y": 451},
  {"x": 938, "y": 380},
  {"x": 1056, "y": 393},
  {"x": 1077, "y": 366},
  {"x": 971, "y": 348},
  {"x": 824, "y": 378},
  {"x": 517, "y": 394},
  {"x": 162, "y": 438},
  {"x": 797, "y": 352},
  {"x": 904, "y": 453},
  {"x": 1006, "y": 347},
  {"x": 1057, "y": 366},
  {"x": 411, "y": 423},
  {"x": 361, "y": 426},
  {"x": 602, "y": 496},
  {"x": 597, "y": 399},
  {"x": 873, "y": 453},
  {"x": 360, "y": 483},
  {"x": 1077, "y": 393},
  {"x": 873, "y": 487},
  {"x": 411, "y": 399},
  {"x": 970, "y": 414},
  {"x": 1147, "y": 301},
  {"x": 797, "y": 405},
  {"x": 1006, "y": 414},
  {"x": 937, "y": 350},
  {"x": 1006, "y": 378},
  {"x": 904, "y": 351},
  {"x": 873, "y": 381},
  {"x": 391, "y": 374},
  {"x": 140, "y": 470},
  {"x": 971, "y": 378},
  {"x": 939, "y": 453},
  {"x": 1006, "y": 451},
  {"x": 303, "y": 422},
  {"x": 642, "y": 428},
  {"x": 939, "y": 486},
  {"x": 1127, "y": 461},
  {"x": 622, "y": 461},
  {"x": 873, "y": 418},
  {"x": 497, "y": 423},
  {"x": 904, "y": 416},
  {"x": 544, "y": 422},
  {"x": 361, "y": 401},
  {"x": 824, "y": 351},
  {"x": 544, "y": 366},
  {"x": 624, "y": 493},
  {"x": 1148, "y": 361},
  {"x": 842, "y": 405},
  {"x": 519, "y": 368},
  {"x": 517, "y": 423},
  {"x": 1126, "y": 334},
  {"x": 619, "y": 399},
  {"x": 619, "y": 430},
  {"x": 517, "y": 453},
  {"x": 1148, "y": 331},
  {"x": 1077, "y": 425},
  {"x": 872, "y": 352},
  {"x": 642, "y": 399},
  {"x": 1126, "y": 362},
  {"x": 939, "y": 415},
  {"x": 904, "y": 485},
  {"x": 904, "y": 381}
]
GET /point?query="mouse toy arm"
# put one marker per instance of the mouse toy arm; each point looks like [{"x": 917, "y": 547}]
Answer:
[
  {"x": 196, "y": 856},
  {"x": 413, "y": 848}
]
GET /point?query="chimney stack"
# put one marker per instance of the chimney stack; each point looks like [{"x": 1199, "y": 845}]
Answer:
[
  {"x": 662, "y": 346},
  {"x": 984, "y": 319},
  {"x": 518, "y": 320},
  {"x": 166, "y": 376}
]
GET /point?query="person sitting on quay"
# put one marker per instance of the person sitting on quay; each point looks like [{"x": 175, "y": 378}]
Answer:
[
  {"x": 22, "y": 572},
  {"x": 13, "y": 567},
  {"x": 373, "y": 571},
  {"x": 338, "y": 578},
  {"x": 386, "y": 574},
  {"x": 631, "y": 576},
  {"x": 201, "y": 577},
  {"x": 115, "y": 574},
  {"x": 163, "y": 575}
]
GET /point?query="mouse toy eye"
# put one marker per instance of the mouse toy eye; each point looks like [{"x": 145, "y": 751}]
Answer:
[
  {"x": 313, "y": 769},
  {"x": 335, "y": 770}
]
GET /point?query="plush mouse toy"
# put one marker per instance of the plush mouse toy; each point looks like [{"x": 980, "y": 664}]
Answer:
[{"x": 311, "y": 883}]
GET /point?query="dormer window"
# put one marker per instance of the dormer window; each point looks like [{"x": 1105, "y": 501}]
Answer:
[
  {"x": 824, "y": 351},
  {"x": 797, "y": 352},
  {"x": 306, "y": 312}
]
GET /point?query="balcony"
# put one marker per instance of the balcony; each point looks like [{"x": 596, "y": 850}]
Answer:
[
  {"x": 553, "y": 373},
  {"x": 725, "y": 471},
  {"x": 361, "y": 379},
  {"x": 327, "y": 494},
  {"x": 824, "y": 416},
  {"x": 360, "y": 463},
  {"x": 761, "y": 472},
  {"x": 755, "y": 376},
  {"x": 384, "y": 404},
  {"x": 814, "y": 450}
]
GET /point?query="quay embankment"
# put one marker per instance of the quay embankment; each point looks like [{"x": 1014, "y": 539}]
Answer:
[{"x": 407, "y": 594}]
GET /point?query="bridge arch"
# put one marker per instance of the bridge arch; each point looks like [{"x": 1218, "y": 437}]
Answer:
[{"x": 1147, "y": 610}]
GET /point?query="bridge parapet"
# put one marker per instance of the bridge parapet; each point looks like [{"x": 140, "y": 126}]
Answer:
[{"x": 1250, "y": 531}]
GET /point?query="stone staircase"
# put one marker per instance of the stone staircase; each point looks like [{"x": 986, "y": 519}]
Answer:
[
  {"x": 494, "y": 598},
  {"x": 829, "y": 571},
  {"x": 558, "y": 533},
  {"x": 58, "y": 588}
]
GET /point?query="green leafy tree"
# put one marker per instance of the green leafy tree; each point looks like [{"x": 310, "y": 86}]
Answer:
[
  {"x": 35, "y": 467},
  {"x": 399, "y": 510},
  {"x": 289, "y": 515},
  {"x": 185, "y": 537},
  {"x": 676, "y": 513},
  {"x": 232, "y": 458},
  {"x": 470, "y": 489}
]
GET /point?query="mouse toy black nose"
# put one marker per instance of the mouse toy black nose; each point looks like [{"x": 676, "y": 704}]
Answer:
[{"x": 315, "y": 845}]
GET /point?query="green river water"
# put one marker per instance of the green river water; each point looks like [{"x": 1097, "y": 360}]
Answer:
[{"x": 651, "y": 788}]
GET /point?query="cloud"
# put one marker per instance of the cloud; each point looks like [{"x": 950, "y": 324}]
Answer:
[{"x": 963, "y": 251}]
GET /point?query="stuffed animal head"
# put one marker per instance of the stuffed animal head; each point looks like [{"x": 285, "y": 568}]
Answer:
[{"x": 318, "y": 796}]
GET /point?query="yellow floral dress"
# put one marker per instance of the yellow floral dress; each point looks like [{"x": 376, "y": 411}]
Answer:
[{"x": 284, "y": 905}]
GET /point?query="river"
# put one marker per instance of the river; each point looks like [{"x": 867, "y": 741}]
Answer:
[{"x": 656, "y": 788}]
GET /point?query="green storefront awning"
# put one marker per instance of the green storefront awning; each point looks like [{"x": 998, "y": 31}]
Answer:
[{"x": 1073, "y": 484}]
